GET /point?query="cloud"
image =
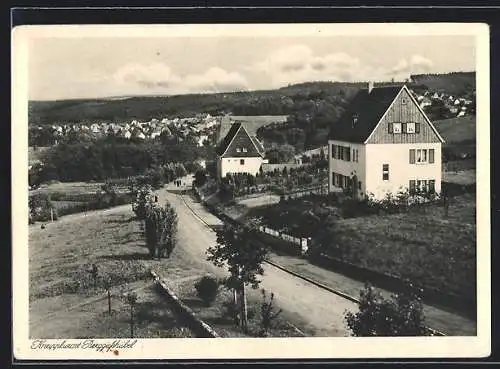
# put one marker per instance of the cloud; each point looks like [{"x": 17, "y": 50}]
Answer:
[
  {"x": 216, "y": 80},
  {"x": 297, "y": 63},
  {"x": 159, "y": 77},
  {"x": 415, "y": 64},
  {"x": 148, "y": 76}
]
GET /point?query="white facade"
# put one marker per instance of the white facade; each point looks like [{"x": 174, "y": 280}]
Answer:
[
  {"x": 373, "y": 160},
  {"x": 347, "y": 168},
  {"x": 238, "y": 165},
  {"x": 400, "y": 170}
]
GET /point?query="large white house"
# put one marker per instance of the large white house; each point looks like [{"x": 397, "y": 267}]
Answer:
[
  {"x": 239, "y": 152},
  {"x": 384, "y": 143}
]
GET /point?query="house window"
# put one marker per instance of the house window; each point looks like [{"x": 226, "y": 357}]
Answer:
[
  {"x": 334, "y": 151},
  {"x": 403, "y": 101},
  {"x": 348, "y": 153},
  {"x": 396, "y": 127},
  {"x": 244, "y": 149},
  {"x": 385, "y": 172},
  {"x": 242, "y": 161},
  {"x": 341, "y": 152},
  {"x": 421, "y": 156},
  {"x": 238, "y": 149},
  {"x": 410, "y": 127}
]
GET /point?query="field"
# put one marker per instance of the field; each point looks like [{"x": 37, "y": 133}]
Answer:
[
  {"x": 63, "y": 300},
  {"x": 456, "y": 130},
  {"x": 422, "y": 245}
]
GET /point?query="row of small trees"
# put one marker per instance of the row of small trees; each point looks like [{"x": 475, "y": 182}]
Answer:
[{"x": 160, "y": 223}]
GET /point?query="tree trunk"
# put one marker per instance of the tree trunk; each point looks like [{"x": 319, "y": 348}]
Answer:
[
  {"x": 109, "y": 301},
  {"x": 131, "y": 321},
  {"x": 244, "y": 318},
  {"x": 235, "y": 304}
]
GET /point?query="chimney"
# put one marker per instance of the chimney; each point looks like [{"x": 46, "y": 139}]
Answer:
[{"x": 370, "y": 86}]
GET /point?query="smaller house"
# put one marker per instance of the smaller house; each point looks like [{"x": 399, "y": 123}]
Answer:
[{"x": 239, "y": 152}]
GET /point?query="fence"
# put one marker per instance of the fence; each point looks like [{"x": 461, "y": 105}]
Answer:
[
  {"x": 316, "y": 190},
  {"x": 302, "y": 242}
]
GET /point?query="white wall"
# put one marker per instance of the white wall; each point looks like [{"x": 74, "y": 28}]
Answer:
[
  {"x": 232, "y": 165},
  {"x": 346, "y": 168},
  {"x": 400, "y": 169}
]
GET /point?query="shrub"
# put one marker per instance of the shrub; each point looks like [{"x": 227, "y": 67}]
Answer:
[
  {"x": 377, "y": 316},
  {"x": 268, "y": 314},
  {"x": 206, "y": 289}
]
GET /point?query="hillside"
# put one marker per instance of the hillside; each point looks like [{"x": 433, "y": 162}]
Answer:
[
  {"x": 311, "y": 107},
  {"x": 457, "y": 83},
  {"x": 457, "y": 130}
]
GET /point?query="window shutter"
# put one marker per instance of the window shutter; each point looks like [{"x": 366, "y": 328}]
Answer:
[
  {"x": 403, "y": 128},
  {"x": 389, "y": 127},
  {"x": 431, "y": 156},
  {"x": 333, "y": 151},
  {"x": 432, "y": 186},
  {"x": 412, "y": 156},
  {"x": 348, "y": 151},
  {"x": 412, "y": 186},
  {"x": 417, "y": 127}
]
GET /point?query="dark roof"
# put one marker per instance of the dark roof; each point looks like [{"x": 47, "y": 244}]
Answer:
[
  {"x": 228, "y": 138},
  {"x": 257, "y": 144},
  {"x": 233, "y": 130},
  {"x": 369, "y": 108}
]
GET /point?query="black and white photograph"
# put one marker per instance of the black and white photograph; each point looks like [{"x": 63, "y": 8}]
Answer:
[{"x": 280, "y": 190}]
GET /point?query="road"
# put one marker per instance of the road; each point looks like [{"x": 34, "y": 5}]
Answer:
[{"x": 322, "y": 310}]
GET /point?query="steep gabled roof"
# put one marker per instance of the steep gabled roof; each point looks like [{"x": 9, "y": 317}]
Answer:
[
  {"x": 226, "y": 142},
  {"x": 221, "y": 149},
  {"x": 369, "y": 109}
]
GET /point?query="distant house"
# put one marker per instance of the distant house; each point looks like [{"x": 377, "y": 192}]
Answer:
[
  {"x": 384, "y": 143},
  {"x": 239, "y": 152}
]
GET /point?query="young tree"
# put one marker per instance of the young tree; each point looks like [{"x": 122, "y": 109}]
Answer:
[
  {"x": 244, "y": 260},
  {"x": 400, "y": 316}
]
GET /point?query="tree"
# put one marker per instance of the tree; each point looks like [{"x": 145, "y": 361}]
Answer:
[
  {"x": 144, "y": 201},
  {"x": 244, "y": 260},
  {"x": 400, "y": 316},
  {"x": 161, "y": 230},
  {"x": 200, "y": 178}
]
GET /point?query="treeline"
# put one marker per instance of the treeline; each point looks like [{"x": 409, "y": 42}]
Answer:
[
  {"x": 105, "y": 158},
  {"x": 267, "y": 102},
  {"x": 455, "y": 83}
]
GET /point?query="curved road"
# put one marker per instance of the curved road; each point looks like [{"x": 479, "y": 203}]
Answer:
[{"x": 322, "y": 310}]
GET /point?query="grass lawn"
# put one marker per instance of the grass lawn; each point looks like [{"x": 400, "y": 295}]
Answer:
[
  {"x": 214, "y": 315},
  {"x": 421, "y": 245},
  {"x": 62, "y": 292}
]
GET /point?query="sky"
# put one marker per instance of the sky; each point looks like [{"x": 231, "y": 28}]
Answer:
[{"x": 93, "y": 67}]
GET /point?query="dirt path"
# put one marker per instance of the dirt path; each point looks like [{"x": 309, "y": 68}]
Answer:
[{"x": 321, "y": 309}]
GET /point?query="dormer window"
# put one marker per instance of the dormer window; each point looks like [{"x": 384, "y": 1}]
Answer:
[
  {"x": 245, "y": 149},
  {"x": 354, "y": 119},
  {"x": 238, "y": 149}
]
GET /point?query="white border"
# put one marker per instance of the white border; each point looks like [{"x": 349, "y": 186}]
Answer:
[{"x": 273, "y": 348}]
